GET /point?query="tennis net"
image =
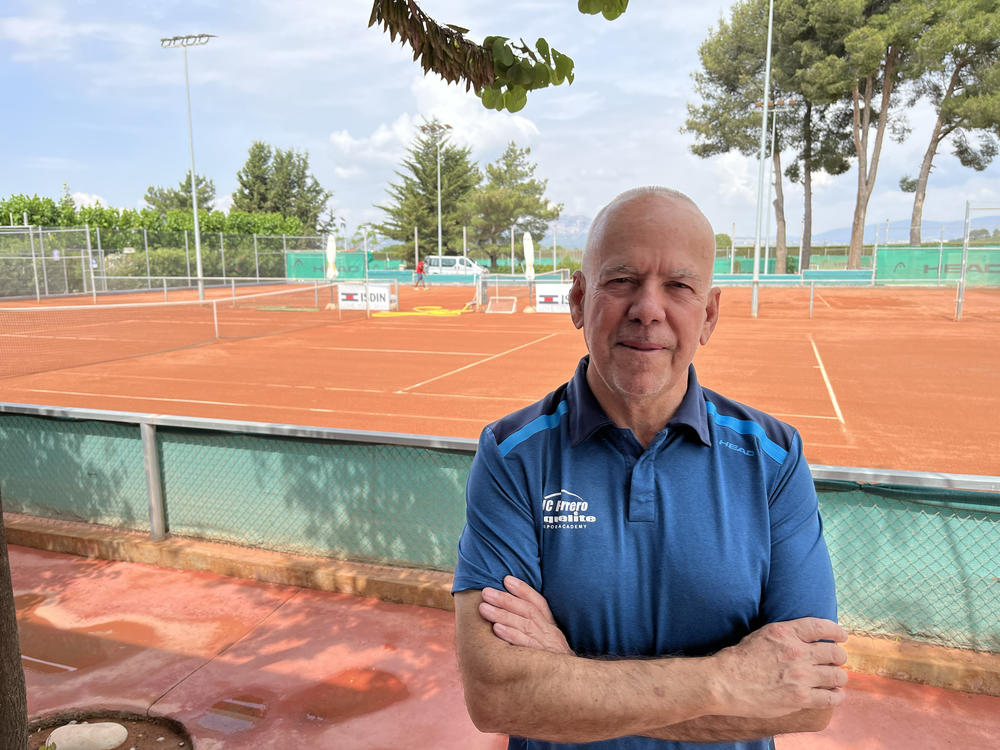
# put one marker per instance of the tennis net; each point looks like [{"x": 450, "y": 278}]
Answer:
[{"x": 42, "y": 338}]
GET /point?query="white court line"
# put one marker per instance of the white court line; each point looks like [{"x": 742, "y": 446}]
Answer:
[
  {"x": 388, "y": 351},
  {"x": 480, "y": 362},
  {"x": 57, "y": 665},
  {"x": 300, "y": 387},
  {"x": 821, "y": 299},
  {"x": 826, "y": 379},
  {"x": 475, "y": 420},
  {"x": 799, "y": 416}
]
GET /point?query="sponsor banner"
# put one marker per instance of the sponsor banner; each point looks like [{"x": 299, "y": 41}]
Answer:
[
  {"x": 933, "y": 264},
  {"x": 379, "y": 297},
  {"x": 553, "y": 298}
]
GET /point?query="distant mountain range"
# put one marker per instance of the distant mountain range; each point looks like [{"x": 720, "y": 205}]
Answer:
[
  {"x": 899, "y": 231},
  {"x": 571, "y": 231}
]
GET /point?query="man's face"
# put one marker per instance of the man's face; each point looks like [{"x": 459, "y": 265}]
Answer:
[{"x": 645, "y": 302}]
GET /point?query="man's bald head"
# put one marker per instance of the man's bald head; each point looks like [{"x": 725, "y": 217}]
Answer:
[{"x": 653, "y": 195}]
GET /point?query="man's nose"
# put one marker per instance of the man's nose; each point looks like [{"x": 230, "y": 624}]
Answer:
[{"x": 647, "y": 304}]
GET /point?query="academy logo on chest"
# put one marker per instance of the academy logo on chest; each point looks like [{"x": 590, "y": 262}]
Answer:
[{"x": 566, "y": 510}]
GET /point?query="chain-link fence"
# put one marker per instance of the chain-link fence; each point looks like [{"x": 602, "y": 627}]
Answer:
[
  {"x": 40, "y": 262},
  {"x": 913, "y": 562}
]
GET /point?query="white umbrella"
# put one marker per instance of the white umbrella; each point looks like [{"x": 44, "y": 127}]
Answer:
[
  {"x": 529, "y": 257},
  {"x": 331, "y": 257}
]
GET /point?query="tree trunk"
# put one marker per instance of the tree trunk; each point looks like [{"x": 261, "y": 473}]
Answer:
[
  {"x": 937, "y": 135},
  {"x": 13, "y": 700},
  {"x": 780, "y": 239},
  {"x": 868, "y": 169}
]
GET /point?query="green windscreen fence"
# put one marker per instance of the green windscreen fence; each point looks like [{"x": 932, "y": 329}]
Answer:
[
  {"x": 936, "y": 264},
  {"x": 350, "y": 264},
  {"x": 909, "y": 562}
]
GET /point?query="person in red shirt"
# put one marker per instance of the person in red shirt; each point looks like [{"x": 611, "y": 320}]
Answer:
[{"x": 418, "y": 281}]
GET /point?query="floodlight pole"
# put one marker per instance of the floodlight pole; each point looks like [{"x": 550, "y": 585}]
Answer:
[
  {"x": 782, "y": 105},
  {"x": 760, "y": 163},
  {"x": 185, "y": 41},
  {"x": 437, "y": 129}
]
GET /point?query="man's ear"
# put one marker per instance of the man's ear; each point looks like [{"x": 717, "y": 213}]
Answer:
[
  {"x": 576, "y": 295},
  {"x": 711, "y": 314}
]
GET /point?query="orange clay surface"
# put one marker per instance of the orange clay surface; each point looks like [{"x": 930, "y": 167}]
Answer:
[{"x": 880, "y": 378}]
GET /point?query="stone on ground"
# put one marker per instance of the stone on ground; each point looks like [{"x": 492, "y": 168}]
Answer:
[{"x": 105, "y": 735}]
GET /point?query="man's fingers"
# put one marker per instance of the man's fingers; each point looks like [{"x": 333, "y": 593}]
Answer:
[
  {"x": 831, "y": 677},
  {"x": 522, "y": 590},
  {"x": 502, "y": 615},
  {"x": 509, "y": 602},
  {"x": 829, "y": 653},
  {"x": 811, "y": 629},
  {"x": 820, "y": 699}
]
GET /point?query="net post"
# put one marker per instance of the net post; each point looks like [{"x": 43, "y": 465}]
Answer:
[
  {"x": 965, "y": 261},
  {"x": 165, "y": 298},
  {"x": 812, "y": 293},
  {"x": 100, "y": 256},
  {"x": 256, "y": 260},
  {"x": 215, "y": 318},
  {"x": 41, "y": 251},
  {"x": 90, "y": 262},
  {"x": 222, "y": 253},
  {"x": 234, "y": 289},
  {"x": 34, "y": 265},
  {"x": 149, "y": 273},
  {"x": 316, "y": 294}
]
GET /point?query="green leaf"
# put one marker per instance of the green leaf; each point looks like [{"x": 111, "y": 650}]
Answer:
[
  {"x": 564, "y": 65},
  {"x": 541, "y": 75},
  {"x": 614, "y": 8},
  {"x": 502, "y": 53},
  {"x": 591, "y": 7},
  {"x": 489, "y": 97},
  {"x": 543, "y": 49},
  {"x": 514, "y": 99}
]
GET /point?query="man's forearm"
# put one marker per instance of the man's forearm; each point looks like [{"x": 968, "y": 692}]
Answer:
[
  {"x": 735, "y": 728},
  {"x": 565, "y": 698}
]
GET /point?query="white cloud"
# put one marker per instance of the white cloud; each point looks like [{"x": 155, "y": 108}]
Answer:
[
  {"x": 88, "y": 199},
  {"x": 736, "y": 176},
  {"x": 223, "y": 203}
]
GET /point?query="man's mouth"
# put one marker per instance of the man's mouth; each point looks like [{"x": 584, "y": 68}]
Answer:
[{"x": 639, "y": 345}]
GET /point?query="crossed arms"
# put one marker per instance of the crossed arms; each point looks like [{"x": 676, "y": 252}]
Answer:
[{"x": 521, "y": 678}]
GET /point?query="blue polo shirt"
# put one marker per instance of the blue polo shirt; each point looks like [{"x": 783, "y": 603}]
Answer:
[{"x": 681, "y": 548}]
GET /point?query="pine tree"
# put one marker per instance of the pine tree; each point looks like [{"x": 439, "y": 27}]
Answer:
[
  {"x": 413, "y": 201},
  {"x": 279, "y": 181},
  {"x": 165, "y": 199},
  {"x": 511, "y": 198}
]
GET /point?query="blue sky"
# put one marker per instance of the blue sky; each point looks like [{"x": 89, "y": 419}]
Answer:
[{"x": 93, "y": 101}]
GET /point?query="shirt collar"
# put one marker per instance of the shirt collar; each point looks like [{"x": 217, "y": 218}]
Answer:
[{"x": 587, "y": 416}]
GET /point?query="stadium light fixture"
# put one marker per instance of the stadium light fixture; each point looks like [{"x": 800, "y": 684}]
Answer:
[
  {"x": 760, "y": 164},
  {"x": 437, "y": 130},
  {"x": 185, "y": 41}
]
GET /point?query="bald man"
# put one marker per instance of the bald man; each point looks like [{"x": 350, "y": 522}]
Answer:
[{"x": 643, "y": 563}]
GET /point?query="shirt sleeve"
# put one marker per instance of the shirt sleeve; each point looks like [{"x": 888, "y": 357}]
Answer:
[
  {"x": 800, "y": 580},
  {"x": 500, "y": 536}
]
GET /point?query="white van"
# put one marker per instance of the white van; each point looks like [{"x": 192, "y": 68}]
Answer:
[{"x": 453, "y": 264}]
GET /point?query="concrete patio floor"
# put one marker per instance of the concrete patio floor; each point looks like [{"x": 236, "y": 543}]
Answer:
[{"x": 246, "y": 664}]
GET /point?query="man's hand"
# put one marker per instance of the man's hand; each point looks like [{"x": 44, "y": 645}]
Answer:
[
  {"x": 522, "y": 617},
  {"x": 783, "y": 667},
  {"x": 777, "y": 670}
]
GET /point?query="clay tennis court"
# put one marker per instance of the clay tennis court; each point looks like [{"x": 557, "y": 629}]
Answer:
[{"x": 881, "y": 378}]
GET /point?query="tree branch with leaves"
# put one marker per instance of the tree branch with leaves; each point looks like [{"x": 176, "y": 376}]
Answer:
[{"x": 501, "y": 72}]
